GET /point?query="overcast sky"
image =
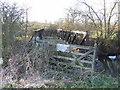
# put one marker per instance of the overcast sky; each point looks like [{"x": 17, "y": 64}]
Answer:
[
  {"x": 45, "y": 10},
  {"x": 50, "y": 10}
]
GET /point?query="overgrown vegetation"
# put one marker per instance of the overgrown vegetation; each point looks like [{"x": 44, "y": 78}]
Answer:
[
  {"x": 23, "y": 60},
  {"x": 12, "y": 26},
  {"x": 29, "y": 66}
]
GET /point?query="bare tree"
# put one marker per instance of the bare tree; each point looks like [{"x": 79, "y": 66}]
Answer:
[
  {"x": 72, "y": 20},
  {"x": 107, "y": 28},
  {"x": 13, "y": 19},
  {"x": 101, "y": 19}
]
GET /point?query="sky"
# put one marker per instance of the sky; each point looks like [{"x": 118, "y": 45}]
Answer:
[
  {"x": 45, "y": 10},
  {"x": 50, "y": 10}
]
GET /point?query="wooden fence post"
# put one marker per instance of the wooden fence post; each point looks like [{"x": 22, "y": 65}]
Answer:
[{"x": 94, "y": 56}]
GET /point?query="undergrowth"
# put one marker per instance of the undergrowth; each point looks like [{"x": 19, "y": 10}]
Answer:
[
  {"x": 72, "y": 81},
  {"x": 96, "y": 81},
  {"x": 34, "y": 59}
]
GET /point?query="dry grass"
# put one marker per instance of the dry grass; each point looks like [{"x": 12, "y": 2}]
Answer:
[
  {"x": 26, "y": 60},
  {"x": 29, "y": 67}
]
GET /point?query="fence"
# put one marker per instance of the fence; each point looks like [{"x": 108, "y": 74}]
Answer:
[
  {"x": 74, "y": 56},
  {"x": 68, "y": 56}
]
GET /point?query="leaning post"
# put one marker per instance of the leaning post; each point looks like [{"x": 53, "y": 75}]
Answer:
[
  {"x": 94, "y": 56},
  {"x": 93, "y": 64},
  {"x": 1, "y": 21}
]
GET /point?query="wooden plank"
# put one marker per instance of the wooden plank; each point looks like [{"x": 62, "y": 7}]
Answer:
[
  {"x": 53, "y": 61},
  {"x": 67, "y": 58},
  {"x": 94, "y": 56},
  {"x": 73, "y": 65},
  {"x": 81, "y": 47},
  {"x": 87, "y": 68},
  {"x": 71, "y": 46},
  {"x": 76, "y": 66},
  {"x": 62, "y": 63},
  {"x": 85, "y": 61},
  {"x": 85, "y": 55},
  {"x": 78, "y": 53}
]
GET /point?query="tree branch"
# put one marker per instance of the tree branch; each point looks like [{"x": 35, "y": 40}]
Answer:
[{"x": 110, "y": 16}]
